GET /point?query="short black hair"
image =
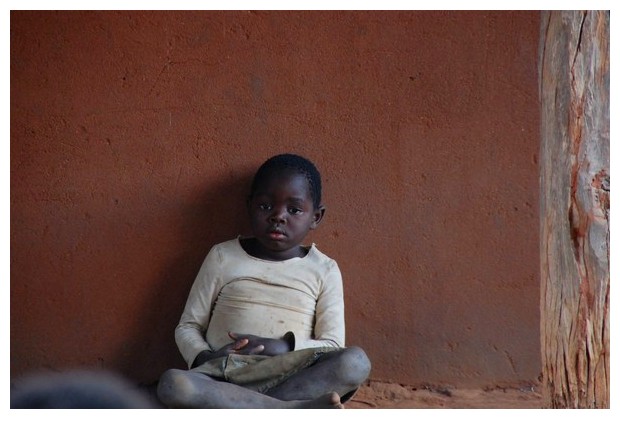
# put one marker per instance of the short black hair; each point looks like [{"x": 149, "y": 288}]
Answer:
[{"x": 288, "y": 162}]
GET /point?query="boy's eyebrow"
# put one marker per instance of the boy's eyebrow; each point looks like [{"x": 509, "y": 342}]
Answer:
[{"x": 297, "y": 200}]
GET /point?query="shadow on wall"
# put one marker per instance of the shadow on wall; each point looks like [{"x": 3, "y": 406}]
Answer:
[{"x": 210, "y": 217}]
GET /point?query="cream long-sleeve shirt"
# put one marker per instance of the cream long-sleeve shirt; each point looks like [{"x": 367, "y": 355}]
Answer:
[{"x": 235, "y": 292}]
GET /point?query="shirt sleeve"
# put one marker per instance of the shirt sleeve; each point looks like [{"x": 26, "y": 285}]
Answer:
[
  {"x": 329, "y": 328},
  {"x": 190, "y": 332}
]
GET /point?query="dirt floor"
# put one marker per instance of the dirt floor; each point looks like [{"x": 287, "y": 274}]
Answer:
[
  {"x": 391, "y": 395},
  {"x": 379, "y": 395}
]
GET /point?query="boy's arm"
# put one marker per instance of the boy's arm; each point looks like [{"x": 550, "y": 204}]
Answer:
[
  {"x": 329, "y": 330},
  {"x": 190, "y": 332},
  {"x": 190, "y": 341}
]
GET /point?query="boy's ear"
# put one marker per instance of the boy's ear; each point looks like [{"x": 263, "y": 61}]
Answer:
[{"x": 318, "y": 217}]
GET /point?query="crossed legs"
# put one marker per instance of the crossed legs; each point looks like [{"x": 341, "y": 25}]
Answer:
[{"x": 321, "y": 385}]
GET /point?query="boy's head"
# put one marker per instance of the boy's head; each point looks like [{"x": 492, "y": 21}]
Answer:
[
  {"x": 284, "y": 205},
  {"x": 294, "y": 164}
]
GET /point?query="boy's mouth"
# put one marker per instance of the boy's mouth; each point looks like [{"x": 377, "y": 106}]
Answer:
[{"x": 276, "y": 234}]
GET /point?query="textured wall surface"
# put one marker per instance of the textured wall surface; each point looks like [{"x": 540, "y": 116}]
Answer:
[
  {"x": 575, "y": 199},
  {"x": 134, "y": 136}
]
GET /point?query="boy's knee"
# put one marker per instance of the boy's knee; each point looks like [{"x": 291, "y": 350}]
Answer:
[
  {"x": 360, "y": 358},
  {"x": 174, "y": 387},
  {"x": 356, "y": 364}
]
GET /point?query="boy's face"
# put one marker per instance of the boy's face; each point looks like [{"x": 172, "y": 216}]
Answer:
[{"x": 281, "y": 214}]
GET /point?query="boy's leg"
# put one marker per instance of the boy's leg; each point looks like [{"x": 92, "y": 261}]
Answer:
[
  {"x": 188, "y": 389},
  {"x": 341, "y": 371}
]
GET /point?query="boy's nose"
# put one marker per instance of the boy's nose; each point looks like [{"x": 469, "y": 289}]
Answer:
[{"x": 278, "y": 215}]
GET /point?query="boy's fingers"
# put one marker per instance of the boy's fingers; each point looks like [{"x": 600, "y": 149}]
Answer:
[{"x": 239, "y": 344}]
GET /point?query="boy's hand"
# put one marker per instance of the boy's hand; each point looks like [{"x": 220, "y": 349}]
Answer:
[
  {"x": 258, "y": 345},
  {"x": 239, "y": 346},
  {"x": 245, "y": 344}
]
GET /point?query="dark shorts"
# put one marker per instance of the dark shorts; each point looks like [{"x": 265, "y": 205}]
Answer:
[{"x": 261, "y": 373}]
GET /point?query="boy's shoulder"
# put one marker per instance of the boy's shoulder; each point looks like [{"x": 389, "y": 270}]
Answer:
[
  {"x": 223, "y": 251},
  {"x": 314, "y": 252},
  {"x": 319, "y": 258},
  {"x": 229, "y": 245}
]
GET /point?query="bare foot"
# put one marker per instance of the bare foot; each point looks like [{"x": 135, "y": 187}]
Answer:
[{"x": 329, "y": 400}]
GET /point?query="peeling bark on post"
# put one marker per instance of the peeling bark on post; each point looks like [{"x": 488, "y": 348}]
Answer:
[{"x": 575, "y": 208}]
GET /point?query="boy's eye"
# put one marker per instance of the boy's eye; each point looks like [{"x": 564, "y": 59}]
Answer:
[
  {"x": 294, "y": 210},
  {"x": 264, "y": 206}
]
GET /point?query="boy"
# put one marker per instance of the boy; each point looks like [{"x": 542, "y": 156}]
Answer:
[{"x": 263, "y": 326}]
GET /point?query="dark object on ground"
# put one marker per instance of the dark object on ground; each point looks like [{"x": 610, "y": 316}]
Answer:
[{"x": 77, "y": 389}]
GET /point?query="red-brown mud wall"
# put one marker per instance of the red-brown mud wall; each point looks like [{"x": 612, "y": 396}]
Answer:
[{"x": 134, "y": 136}]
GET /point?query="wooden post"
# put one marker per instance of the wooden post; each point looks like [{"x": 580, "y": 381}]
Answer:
[{"x": 574, "y": 91}]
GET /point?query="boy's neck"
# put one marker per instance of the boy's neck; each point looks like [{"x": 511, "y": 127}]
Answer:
[{"x": 253, "y": 248}]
